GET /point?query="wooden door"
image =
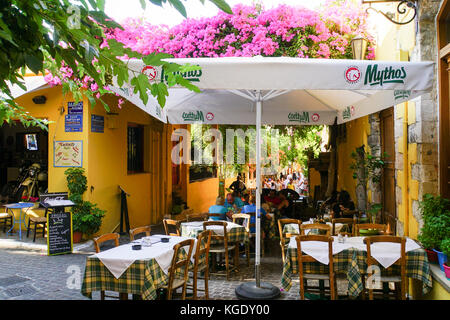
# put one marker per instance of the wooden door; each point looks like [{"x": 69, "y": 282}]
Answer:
[
  {"x": 443, "y": 40},
  {"x": 389, "y": 214}
]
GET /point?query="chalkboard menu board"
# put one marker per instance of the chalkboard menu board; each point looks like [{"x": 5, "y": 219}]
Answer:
[{"x": 59, "y": 232}]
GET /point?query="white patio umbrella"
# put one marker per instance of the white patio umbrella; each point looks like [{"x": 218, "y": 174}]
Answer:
[{"x": 287, "y": 91}]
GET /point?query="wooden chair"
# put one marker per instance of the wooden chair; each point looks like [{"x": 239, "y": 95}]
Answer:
[
  {"x": 302, "y": 258},
  {"x": 6, "y": 219},
  {"x": 285, "y": 237},
  {"x": 179, "y": 262},
  {"x": 350, "y": 222},
  {"x": 197, "y": 217},
  {"x": 380, "y": 227},
  {"x": 252, "y": 235},
  {"x": 134, "y": 232},
  {"x": 201, "y": 263},
  {"x": 319, "y": 226},
  {"x": 97, "y": 243},
  {"x": 222, "y": 247},
  {"x": 244, "y": 220},
  {"x": 217, "y": 215},
  {"x": 399, "y": 280},
  {"x": 175, "y": 224}
]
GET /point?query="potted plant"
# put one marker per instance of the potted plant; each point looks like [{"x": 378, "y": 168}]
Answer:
[
  {"x": 436, "y": 225},
  {"x": 86, "y": 216},
  {"x": 428, "y": 243},
  {"x": 445, "y": 247}
]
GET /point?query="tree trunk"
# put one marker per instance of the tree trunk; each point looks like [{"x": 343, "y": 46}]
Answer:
[{"x": 361, "y": 178}]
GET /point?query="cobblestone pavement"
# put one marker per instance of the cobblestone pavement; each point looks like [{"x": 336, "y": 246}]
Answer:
[{"x": 28, "y": 273}]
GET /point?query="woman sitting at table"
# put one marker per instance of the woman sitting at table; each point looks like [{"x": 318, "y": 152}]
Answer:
[
  {"x": 344, "y": 204},
  {"x": 219, "y": 208}
]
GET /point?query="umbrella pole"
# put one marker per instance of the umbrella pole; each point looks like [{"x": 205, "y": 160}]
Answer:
[
  {"x": 258, "y": 191},
  {"x": 257, "y": 290}
]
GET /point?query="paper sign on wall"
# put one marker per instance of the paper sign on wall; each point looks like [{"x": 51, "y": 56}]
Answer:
[{"x": 68, "y": 153}]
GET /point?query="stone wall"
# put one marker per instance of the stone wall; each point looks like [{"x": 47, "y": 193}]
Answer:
[{"x": 422, "y": 122}]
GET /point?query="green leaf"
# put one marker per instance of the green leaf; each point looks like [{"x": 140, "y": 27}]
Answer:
[
  {"x": 101, "y": 4},
  {"x": 34, "y": 63},
  {"x": 222, "y": 5},
  {"x": 154, "y": 59},
  {"x": 143, "y": 4},
  {"x": 179, "y": 6}
]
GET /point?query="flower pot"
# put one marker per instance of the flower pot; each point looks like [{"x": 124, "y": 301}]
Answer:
[
  {"x": 77, "y": 235},
  {"x": 442, "y": 257},
  {"x": 447, "y": 270},
  {"x": 432, "y": 256}
]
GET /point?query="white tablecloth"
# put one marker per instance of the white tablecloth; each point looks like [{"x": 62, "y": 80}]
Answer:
[
  {"x": 198, "y": 225},
  {"x": 384, "y": 252},
  {"x": 118, "y": 259}
]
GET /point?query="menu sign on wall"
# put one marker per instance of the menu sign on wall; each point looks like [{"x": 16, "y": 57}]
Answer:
[
  {"x": 68, "y": 153},
  {"x": 59, "y": 232},
  {"x": 97, "y": 123}
]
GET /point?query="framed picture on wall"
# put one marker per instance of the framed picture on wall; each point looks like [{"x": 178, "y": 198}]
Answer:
[{"x": 68, "y": 154}]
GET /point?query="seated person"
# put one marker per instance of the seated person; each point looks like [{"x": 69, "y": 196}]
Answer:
[
  {"x": 283, "y": 205},
  {"x": 272, "y": 198},
  {"x": 252, "y": 208},
  {"x": 233, "y": 202},
  {"x": 344, "y": 204},
  {"x": 245, "y": 198},
  {"x": 219, "y": 208},
  {"x": 329, "y": 202}
]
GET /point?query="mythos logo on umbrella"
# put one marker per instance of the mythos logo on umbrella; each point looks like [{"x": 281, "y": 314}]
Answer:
[{"x": 386, "y": 75}]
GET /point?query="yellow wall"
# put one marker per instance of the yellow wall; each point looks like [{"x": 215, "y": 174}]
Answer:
[
  {"x": 357, "y": 132},
  {"x": 202, "y": 194},
  {"x": 105, "y": 158},
  {"x": 437, "y": 293}
]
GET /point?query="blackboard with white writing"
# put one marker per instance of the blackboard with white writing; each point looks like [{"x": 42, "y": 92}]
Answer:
[{"x": 59, "y": 232}]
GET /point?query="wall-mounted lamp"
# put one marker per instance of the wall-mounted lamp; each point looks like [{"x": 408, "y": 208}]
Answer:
[
  {"x": 359, "y": 47},
  {"x": 403, "y": 8},
  {"x": 111, "y": 119},
  {"x": 39, "y": 99}
]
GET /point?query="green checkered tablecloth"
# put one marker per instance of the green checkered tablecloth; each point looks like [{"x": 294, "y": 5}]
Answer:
[
  {"x": 353, "y": 263},
  {"x": 236, "y": 234},
  {"x": 143, "y": 277}
]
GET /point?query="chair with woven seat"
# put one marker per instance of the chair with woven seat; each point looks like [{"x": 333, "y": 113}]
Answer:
[
  {"x": 400, "y": 279},
  {"x": 196, "y": 217},
  {"x": 303, "y": 258},
  {"x": 285, "y": 237},
  {"x": 6, "y": 219},
  {"x": 201, "y": 264},
  {"x": 179, "y": 261},
  {"x": 243, "y": 219},
  {"x": 97, "y": 244},
  {"x": 172, "y": 224},
  {"x": 349, "y": 222},
  {"x": 315, "y": 226},
  {"x": 222, "y": 246},
  {"x": 381, "y": 227},
  {"x": 139, "y": 230}
]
